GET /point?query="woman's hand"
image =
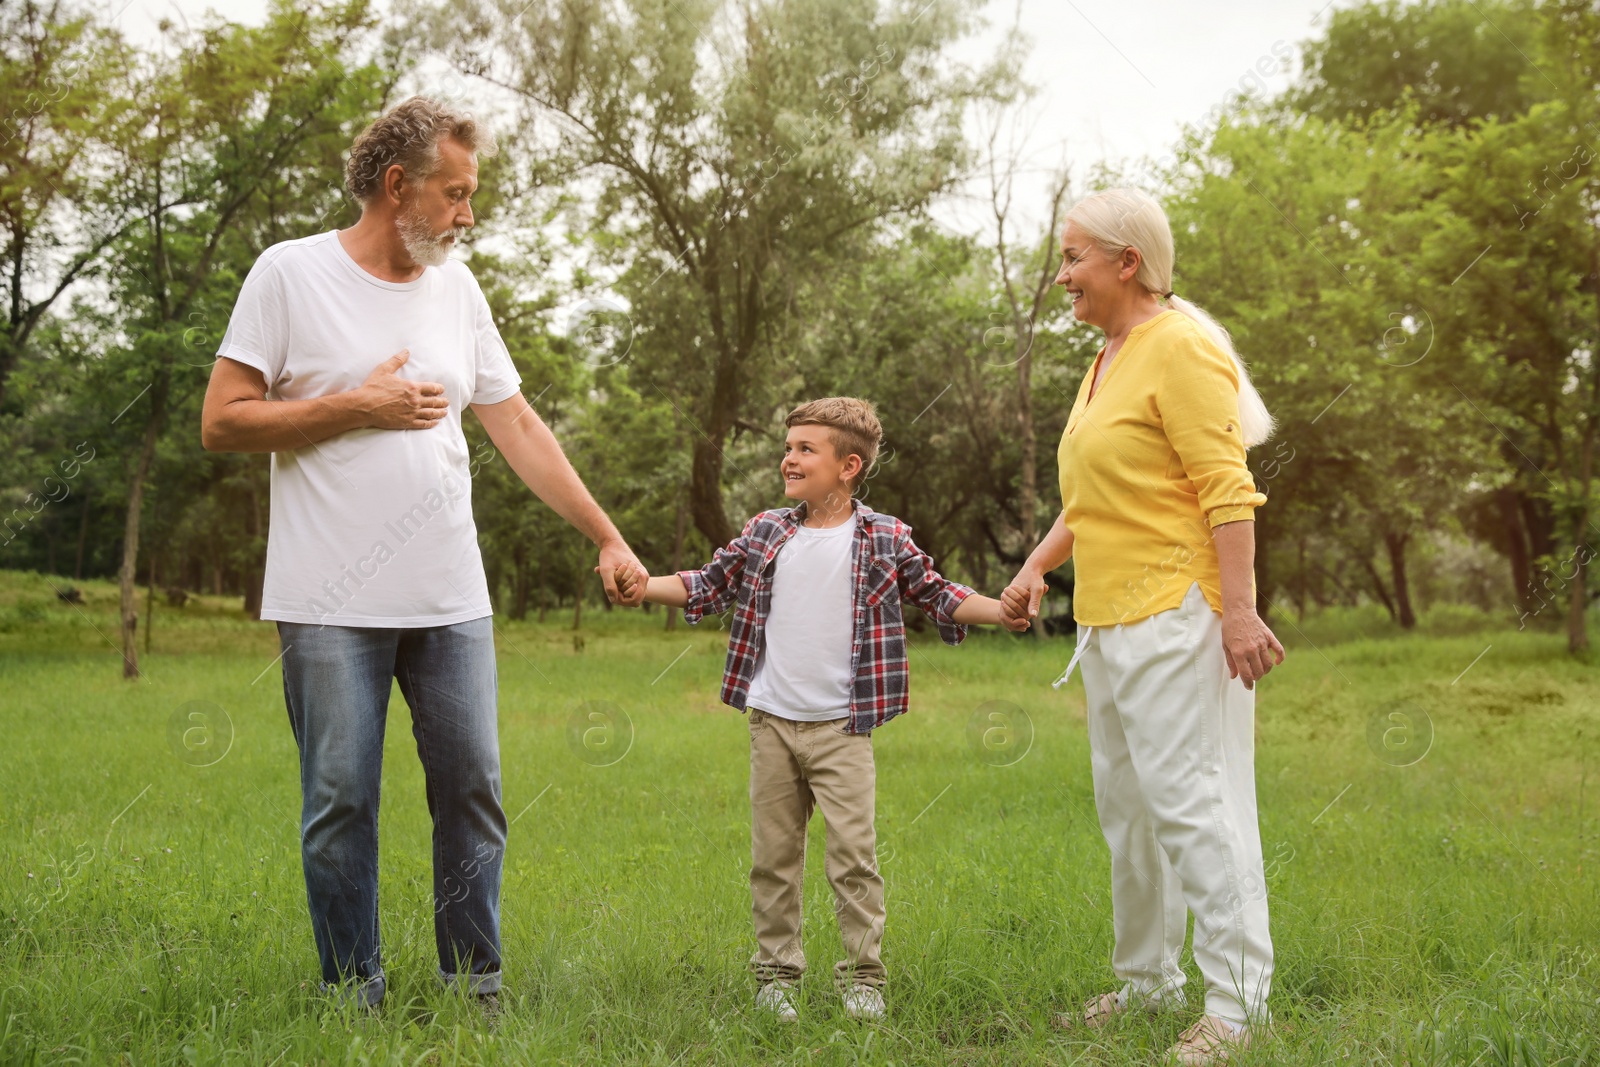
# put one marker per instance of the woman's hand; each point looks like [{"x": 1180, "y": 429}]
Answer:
[
  {"x": 1015, "y": 623},
  {"x": 1250, "y": 647},
  {"x": 1020, "y": 600}
]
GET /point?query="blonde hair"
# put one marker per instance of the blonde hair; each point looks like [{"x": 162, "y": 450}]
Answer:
[
  {"x": 1119, "y": 219},
  {"x": 855, "y": 426},
  {"x": 408, "y": 134}
]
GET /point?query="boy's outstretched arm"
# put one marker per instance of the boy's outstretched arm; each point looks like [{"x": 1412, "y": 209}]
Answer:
[
  {"x": 922, "y": 585},
  {"x": 979, "y": 610},
  {"x": 668, "y": 590}
]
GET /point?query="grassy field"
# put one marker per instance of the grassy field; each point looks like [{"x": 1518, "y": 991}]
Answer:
[{"x": 1428, "y": 912}]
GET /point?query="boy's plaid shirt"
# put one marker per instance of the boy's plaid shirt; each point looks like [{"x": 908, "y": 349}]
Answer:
[{"x": 886, "y": 568}]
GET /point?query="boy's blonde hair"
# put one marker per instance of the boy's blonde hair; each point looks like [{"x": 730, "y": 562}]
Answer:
[{"x": 855, "y": 426}]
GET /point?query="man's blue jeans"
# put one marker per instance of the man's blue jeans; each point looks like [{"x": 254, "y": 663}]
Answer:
[{"x": 336, "y": 682}]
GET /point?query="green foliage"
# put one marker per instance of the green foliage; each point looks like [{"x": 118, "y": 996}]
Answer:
[
  {"x": 1454, "y": 60},
  {"x": 702, "y": 217}
]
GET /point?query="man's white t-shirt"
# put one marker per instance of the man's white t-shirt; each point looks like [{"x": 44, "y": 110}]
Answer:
[
  {"x": 370, "y": 527},
  {"x": 803, "y": 672}
]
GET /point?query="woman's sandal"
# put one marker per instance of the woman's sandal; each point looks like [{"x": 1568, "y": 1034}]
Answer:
[
  {"x": 1097, "y": 1012},
  {"x": 1208, "y": 1042}
]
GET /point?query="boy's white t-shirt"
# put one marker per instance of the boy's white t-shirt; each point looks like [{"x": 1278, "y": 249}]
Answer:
[
  {"x": 803, "y": 672},
  {"x": 370, "y": 527}
]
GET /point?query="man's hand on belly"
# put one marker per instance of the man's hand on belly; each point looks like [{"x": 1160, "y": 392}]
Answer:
[
  {"x": 237, "y": 417},
  {"x": 395, "y": 403}
]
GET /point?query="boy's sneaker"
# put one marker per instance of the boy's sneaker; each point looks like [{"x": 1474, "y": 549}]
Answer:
[
  {"x": 774, "y": 997},
  {"x": 864, "y": 1002}
]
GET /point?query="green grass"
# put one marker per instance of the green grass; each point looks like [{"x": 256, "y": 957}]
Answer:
[{"x": 153, "y": 910}]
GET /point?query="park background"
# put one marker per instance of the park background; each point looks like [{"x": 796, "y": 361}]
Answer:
[{"x": 703, "y": 213}]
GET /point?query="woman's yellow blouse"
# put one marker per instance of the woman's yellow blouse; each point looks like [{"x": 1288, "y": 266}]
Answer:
[{"x": 1148, "y": 467}]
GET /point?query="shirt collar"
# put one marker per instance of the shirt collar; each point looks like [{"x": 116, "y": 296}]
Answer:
[{"x": 797, "y": 514}]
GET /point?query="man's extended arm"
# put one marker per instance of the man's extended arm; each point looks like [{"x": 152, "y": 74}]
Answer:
[{"x": 535, "y": 454}]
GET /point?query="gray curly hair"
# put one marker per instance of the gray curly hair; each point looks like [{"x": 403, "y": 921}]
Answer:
[{"x": 408, "y": 134}]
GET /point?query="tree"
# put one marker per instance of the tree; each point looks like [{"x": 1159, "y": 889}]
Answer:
[
  {"x": 55, "y": 68},
  {"x": 1301, "y": 236},
  {"x": 735, "y": 152},
  {"x": 240, "y": 112},
  {"x": 1454, "y": 61},
  {"x": 1522, "y": 194},
  {"x": 1025, "y": 281}
]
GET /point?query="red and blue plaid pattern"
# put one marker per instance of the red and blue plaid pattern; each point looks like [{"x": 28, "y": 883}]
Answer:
[{"x": 887, "y": 568}]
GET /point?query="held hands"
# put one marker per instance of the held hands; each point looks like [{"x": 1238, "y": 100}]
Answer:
[
  {"x": 1019, "y": 602},
  {"x": 395, "y": 403},
  {"x": 626, "y": 581},
  {"x": 624, "y": 576},
  {"x": 1015, "y": 623}
]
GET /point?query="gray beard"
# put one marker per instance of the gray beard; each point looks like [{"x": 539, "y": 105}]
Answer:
[{"x": 422, "y": 244}]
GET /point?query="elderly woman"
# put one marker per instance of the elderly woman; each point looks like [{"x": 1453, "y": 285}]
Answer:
[{"x": 1157, "y": 509}]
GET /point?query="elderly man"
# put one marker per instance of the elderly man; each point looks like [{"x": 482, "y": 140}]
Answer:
[{"x": 350, "y": 356}]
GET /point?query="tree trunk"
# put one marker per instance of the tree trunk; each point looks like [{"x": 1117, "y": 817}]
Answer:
[
  {"x": 705, "y": 470},
  {"x": 705, "y": 492},
  {"x": 1578, "y": 604},
  {"x": 1516, "y": 538},
  {"x": 1396, "y": 543},
  {"x": 577, "y": 598},
  {"x": 130, "y": 537},
  {"x": 1378, "y": 586},
  {"x": 129, "y": 610},
  {"x": 1540, "y": 524}
]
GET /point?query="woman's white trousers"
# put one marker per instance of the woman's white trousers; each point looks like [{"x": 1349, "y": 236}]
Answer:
[{"x": 1172, "y": 744}]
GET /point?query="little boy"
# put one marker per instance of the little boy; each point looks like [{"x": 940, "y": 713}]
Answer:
[{"x": 817, "y": 655}]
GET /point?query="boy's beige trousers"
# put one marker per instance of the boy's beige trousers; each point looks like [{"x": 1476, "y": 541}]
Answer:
[{"x": 795, "y": 767}]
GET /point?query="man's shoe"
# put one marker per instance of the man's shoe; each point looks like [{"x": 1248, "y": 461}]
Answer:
[
  {"x": 363, "y": 994},
  {"x": 774, "y": 997},
  {"x": 864, "y": 1002},
  {"x": 1209, "y": 1041}
]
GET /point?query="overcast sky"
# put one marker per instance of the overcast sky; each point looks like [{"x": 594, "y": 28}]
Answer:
[{"x": 1117, "y": 79}]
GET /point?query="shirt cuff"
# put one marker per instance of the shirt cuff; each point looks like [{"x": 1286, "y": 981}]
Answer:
[
  {"x": 1233, "y": 513},
  {"x": 950, "y": 631},
  {"x": 694, "y": 608}
]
